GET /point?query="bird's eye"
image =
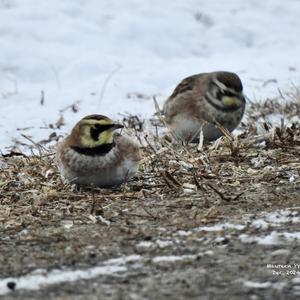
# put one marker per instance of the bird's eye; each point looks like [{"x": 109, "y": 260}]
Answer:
[
  {"x": 229, "y": 94},
  {"x": 96, "y": 129},
  {"x": 94, "y": 132}
]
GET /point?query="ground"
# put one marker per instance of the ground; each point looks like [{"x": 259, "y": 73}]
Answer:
[{"x": 219, "y": 221}]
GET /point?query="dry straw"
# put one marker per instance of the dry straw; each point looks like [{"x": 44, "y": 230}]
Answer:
[{"x": 178, "y": 185}]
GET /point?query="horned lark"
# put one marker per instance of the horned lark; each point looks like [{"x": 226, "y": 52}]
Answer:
[
  {"x": 201, "y": 101},
  {"x": 94, "y": 155}
]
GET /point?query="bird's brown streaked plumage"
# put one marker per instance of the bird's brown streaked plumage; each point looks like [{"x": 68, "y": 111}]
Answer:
[
  {"x": 200, "y": 101},
  {"x": 106, "y": 162},
  {"x": 185, "y": 85}
]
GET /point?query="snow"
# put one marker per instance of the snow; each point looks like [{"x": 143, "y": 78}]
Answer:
[
  {"x": 262, "y": 221},
  {"x": 123, "y": 259},
  {"x": 265, "y": 285},
  {"x": 183, "y": 233},
  {"x": 144, "y": 245},
  {"x": 281, "y": 252},
  {"x": 274, "y": 238},
  {"x": 276, "y": 218},
  {"x": 111, "y": 57},
  {"x": 282, "y": 216},
  {"x": 296, "y": 280},
  {"x": 258, "y": 285},
  {"x": 221, "y": 227},
  {"x": 41, "y": 278},
  {"x": 173, "y": 258},
  {"x": 292, "y": 235},
  {"x": 163, "y": 243}
]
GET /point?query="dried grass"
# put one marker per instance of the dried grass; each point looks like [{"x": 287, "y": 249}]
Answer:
[{"x": 178, "y": 185}]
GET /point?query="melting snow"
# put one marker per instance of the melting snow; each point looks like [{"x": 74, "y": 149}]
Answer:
[
  {"x": 221, "y": 227},
  {"x": 258, "y": 285},
  {"x": 110, "y": 57},
  {"x": 274, "y": 238},
  {"x": 35, "y": 280},
  {"x": 41, "y": 278}
]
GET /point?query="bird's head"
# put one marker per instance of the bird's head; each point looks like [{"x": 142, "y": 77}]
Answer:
[
  {"x": 94, "y": 130},
  {"x": 226, "y": 90}
]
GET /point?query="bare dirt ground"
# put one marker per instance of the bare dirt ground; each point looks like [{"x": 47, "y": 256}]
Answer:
[{"x": 157, "y": 223}]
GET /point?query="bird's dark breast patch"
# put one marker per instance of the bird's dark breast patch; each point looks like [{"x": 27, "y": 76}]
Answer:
[{"x": 99, "y": 150}]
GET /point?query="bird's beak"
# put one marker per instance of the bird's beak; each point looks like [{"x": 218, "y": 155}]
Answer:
[
  {"x": 117, "y": 126},
  {"x": 231, "y": 101}
]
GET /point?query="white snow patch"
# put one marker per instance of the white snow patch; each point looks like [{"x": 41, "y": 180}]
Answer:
[
  {"x": 154, "y": 244},
  {"x": 67, "y": 224},
  {"x": 144, "y": 245},
  {"x": 292, "y": 178},
  {"x": 221, "y": 227},
  {"x": 274, "y": 238},
  {"x": 296, "y": 280},
  {"x": 110, "y": 57},
  {"x": 292, "y": 235},
  {"x": 282, "y": 216},
  {"x": 163, "y": 243},
  {"x": 258, "y": 285},
  {"x": 41, "y": 278},
  {"x": 275, "y": 218},
  {"x": 280, "y": 252},
  {"x": 123, "y": 259},
  {"x": 173, "y": 258},
  {"x": 184, "y": 233},
  {"x": 260, "y": 223},
  {"x": 264, "y": 285},
  {"x": 35, "y": 280},
  {"x": 221, "y": 239}
]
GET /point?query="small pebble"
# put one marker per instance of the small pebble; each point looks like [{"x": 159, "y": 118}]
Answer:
[{"x": 11, "y": 285}]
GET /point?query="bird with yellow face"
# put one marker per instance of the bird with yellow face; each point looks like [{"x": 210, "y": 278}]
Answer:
[
  {"x": 94, "y": 155},
  {"x": 202, "y": 101}
]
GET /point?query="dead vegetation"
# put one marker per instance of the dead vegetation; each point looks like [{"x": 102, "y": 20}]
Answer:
[
  {"x": 48, "y": 224},
  {"x": 286, "y": 106},
  {"x": 178, "y": 185}
]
